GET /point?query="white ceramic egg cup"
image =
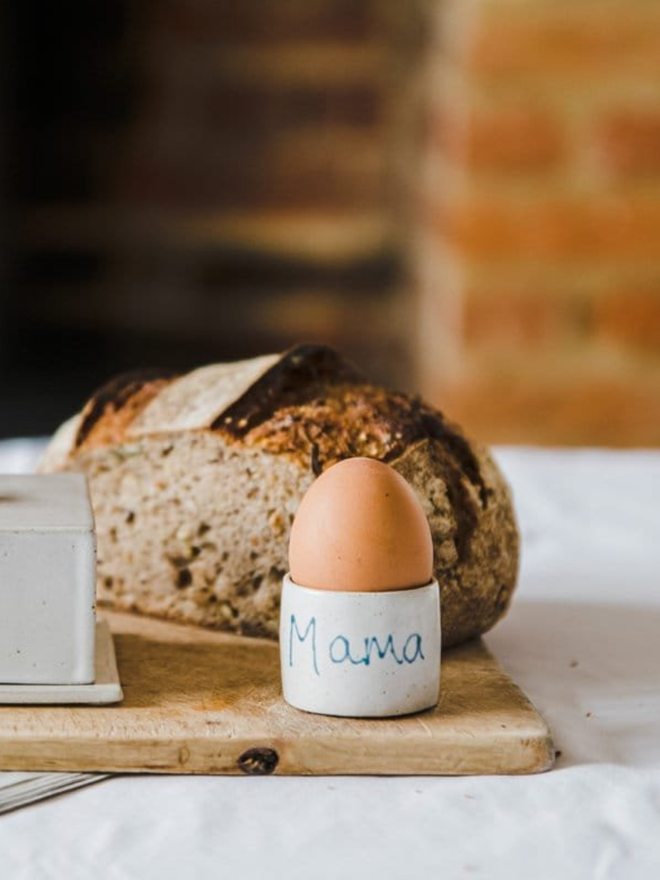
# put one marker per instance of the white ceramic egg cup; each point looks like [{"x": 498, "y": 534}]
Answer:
[{"x": 360, "y": 654}]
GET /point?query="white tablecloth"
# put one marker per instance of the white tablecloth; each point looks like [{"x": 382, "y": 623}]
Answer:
[{"x": 583, "y": 640}]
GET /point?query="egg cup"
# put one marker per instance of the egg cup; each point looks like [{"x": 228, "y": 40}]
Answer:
[{"x": 360, "y": 654}]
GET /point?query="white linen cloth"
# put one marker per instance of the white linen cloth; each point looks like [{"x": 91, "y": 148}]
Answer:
[{"x": 582, "y": 639}]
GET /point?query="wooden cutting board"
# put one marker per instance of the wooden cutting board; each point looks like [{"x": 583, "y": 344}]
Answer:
[{"x": 203, "y": 702}]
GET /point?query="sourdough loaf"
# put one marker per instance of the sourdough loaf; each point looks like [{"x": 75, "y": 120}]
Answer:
[{"x": 195, "y": 481}]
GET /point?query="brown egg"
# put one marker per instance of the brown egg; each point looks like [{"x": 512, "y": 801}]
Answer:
[{"x": 360, "y": 527}]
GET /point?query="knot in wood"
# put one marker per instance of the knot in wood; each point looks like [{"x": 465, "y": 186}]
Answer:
[{"x": 258, "y": 762}]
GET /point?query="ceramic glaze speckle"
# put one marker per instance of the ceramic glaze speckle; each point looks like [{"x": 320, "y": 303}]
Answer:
[{"x": 47, "y": 580}]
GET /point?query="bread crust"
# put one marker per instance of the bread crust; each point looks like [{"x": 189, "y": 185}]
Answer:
[{"x": 194, "y": 508}]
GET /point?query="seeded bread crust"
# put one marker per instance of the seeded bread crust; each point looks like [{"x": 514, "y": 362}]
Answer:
[{"x": 195, "y": 481}]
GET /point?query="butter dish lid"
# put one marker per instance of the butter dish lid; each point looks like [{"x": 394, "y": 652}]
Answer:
[{"x": 36, "y": 502}]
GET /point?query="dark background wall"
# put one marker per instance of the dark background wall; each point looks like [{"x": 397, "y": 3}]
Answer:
[{"x": 187, "y": 182}]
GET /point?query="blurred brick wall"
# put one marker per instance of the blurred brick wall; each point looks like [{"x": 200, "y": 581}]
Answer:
[
  {"x": 206, "y": 179},
  {"x": 538, "y": 259},
  {"x": 287, "y": 100},
  {"x": 217, "y": 179},
  {"x": 281, "y": 133}
]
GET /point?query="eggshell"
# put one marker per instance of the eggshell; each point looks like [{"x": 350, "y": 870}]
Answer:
[{"x": 361, "y": 527}]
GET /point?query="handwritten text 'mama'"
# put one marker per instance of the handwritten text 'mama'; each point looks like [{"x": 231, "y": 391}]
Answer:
[{"x": 340, "y": 650}]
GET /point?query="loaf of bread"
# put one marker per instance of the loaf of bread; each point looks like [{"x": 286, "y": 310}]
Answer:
[{"x": 195, "y": 481}]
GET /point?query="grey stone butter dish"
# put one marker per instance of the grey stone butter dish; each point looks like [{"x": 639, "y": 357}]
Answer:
[{"x": 47, "y": 593}]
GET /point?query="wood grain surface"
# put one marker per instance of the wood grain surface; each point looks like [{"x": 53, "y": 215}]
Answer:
[{"x": 197, "y": 701}]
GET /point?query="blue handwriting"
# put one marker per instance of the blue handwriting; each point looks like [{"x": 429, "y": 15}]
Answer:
[{"x": 340, "y": 651}]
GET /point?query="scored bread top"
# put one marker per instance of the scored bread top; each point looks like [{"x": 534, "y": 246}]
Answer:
[
  {"x": 308, "y": 404},
  {"x": 193, "y": 401},
  {"x": 229, "y": 396}
]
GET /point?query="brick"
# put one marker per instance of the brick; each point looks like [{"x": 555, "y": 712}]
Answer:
[
  {"x": 569, "y": 228},
  {"x": 266, "y": 22},
  {"x": 629, "y": 316},
  {"x": 255, "y": 108},
  {"x": 629, "y": 142},
  {"x": 496, "y": 316},
  {"x": 512, "y": 40},
  {"x": 185, "y": 71},
  {"x": 510, "y": 139},
  {"x": 252, "y": 172},
  {"x": 583, "y": 408}
]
